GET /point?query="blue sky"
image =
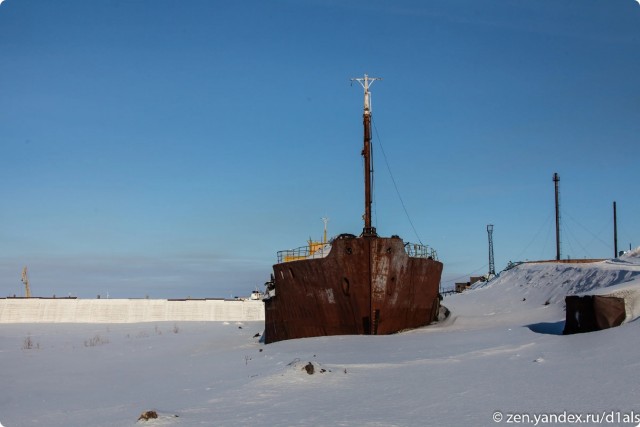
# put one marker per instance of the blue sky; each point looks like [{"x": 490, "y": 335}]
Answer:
[{"x": 170, "y": 149}]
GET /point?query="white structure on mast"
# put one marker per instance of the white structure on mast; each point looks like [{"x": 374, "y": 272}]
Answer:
[{"x": 366, "y": 83}]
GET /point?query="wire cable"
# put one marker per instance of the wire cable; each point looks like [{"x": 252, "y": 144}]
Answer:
[{"x": 395, "y": 185}]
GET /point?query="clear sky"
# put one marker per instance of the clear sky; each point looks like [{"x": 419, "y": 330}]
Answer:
[{"x": 170, "y": 149}]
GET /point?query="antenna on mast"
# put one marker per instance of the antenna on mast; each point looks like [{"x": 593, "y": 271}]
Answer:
[{"x": 366, "y": 83}]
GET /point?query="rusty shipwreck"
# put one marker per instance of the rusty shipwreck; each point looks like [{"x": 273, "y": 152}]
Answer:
[{"x": 353, "y": 285}]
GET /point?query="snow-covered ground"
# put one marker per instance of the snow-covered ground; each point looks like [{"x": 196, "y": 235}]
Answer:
[{"x": 500, "y": 350}]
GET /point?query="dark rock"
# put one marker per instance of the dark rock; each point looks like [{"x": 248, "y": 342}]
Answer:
[
  {"x": 146, "y": 416},
  {"x": 309, "y": 368}
]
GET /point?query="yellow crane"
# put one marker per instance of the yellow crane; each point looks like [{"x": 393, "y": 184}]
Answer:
[{"x": 25, "y": 280}]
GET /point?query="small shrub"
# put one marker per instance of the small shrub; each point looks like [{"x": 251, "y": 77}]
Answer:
[
  {"x": 95, "y": 341},
  {"x": 28, "y": 344}
]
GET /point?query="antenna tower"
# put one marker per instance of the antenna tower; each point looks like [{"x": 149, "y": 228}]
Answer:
[{"x": 492, "y": 264}]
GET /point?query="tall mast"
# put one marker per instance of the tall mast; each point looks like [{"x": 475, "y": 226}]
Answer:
[{"x": 366, "y": 82}]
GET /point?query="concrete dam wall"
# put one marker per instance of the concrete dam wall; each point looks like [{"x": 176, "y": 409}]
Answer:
[{"x": 69, "y": 310}]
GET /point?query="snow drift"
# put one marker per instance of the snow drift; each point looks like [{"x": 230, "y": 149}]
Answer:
[{"x": 550, "y": 283}]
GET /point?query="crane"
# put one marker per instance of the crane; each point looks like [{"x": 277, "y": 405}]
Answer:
[{"x": 25, "y": 280}]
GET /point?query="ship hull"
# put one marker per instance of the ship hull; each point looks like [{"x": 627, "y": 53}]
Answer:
[{"x": 365, "y": 285}]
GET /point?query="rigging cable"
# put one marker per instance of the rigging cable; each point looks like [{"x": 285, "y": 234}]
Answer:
[
  {"x": 606, "y": 226},
  {"x": 534, "y": 238},
  {"x": 394, "y": 182},
  {"x": 543, "y": 248},
  {"x": 373, "y": 186},
  {"x": 596, "y": 237}
]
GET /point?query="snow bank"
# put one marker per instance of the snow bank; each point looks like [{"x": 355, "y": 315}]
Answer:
[
  {"x": 62, "y": 310},
  {"x": 549, "y": 283}
]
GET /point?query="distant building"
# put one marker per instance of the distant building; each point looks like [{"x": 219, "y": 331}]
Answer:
[{"x": 461, "y": 287}]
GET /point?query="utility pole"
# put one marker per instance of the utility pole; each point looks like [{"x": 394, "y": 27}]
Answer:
[
  {"x": 366, "y": 82},
  {"x": 492, "y": 265},
  {"x": 615, "y": 231},
  {"x": 556, "y": 181}
]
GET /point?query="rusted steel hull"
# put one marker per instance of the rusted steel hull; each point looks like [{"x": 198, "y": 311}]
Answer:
[{"x": 365, "y": 285}]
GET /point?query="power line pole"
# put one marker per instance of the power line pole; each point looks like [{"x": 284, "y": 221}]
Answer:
[
  {"x": 615, "y": 231},
  {"x": 556, "y": 181}
]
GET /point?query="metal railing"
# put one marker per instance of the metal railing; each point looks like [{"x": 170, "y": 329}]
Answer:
[
  {"x": 304, "y": 252},
  {"x": 420, "y": 251}
]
